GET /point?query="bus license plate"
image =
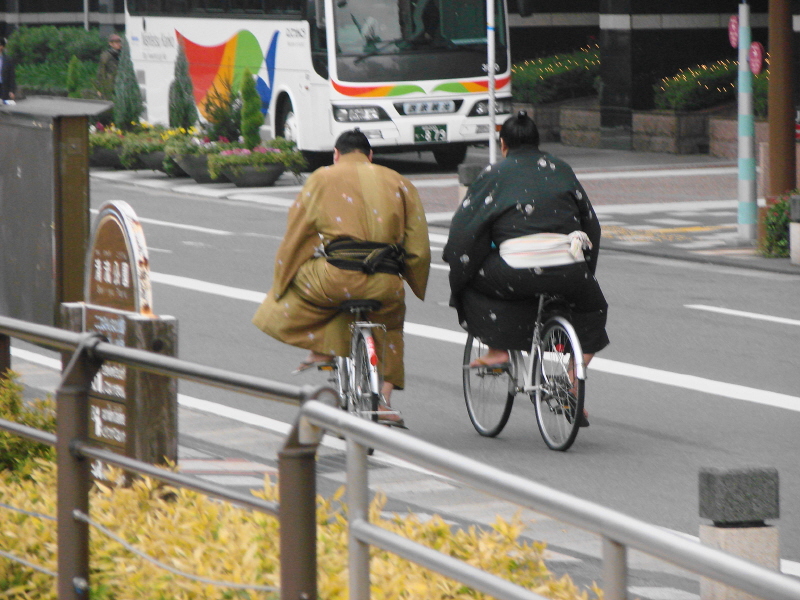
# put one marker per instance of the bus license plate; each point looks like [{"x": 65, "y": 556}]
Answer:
[{"x": 425, "y": 134}]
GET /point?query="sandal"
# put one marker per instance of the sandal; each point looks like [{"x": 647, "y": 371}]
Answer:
[
  {"x": 310, "y": 364},
  {"x": 481, "y": 362},
  {"x": 388, "y": 416}
]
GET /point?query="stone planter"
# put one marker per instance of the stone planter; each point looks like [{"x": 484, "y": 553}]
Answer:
[
  {"x": 252, "y": 176},
  {"x": 579, "y": 122},
  {"x": 105, "y": 157},
  {"x": 723, "y": 134},
  {"x": 196, "y": 167},
  {"x": 152, "y": 160},
  {"x": 673, "y": 132}
]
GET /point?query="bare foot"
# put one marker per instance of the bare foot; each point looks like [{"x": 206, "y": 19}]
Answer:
[
  {"x": 312, "y": 360},
  {"x": 492, "y": 358}
]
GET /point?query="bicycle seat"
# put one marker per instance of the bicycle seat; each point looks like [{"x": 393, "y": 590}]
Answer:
[{"x": 360, "y": 305}]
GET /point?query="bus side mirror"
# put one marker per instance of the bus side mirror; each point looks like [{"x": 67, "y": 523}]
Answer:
[{"x": 525, "y": 8}]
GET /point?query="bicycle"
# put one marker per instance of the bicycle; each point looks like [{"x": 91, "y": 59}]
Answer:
[
  {"x": 544, "y": 374},
  {"x": 357, "y": 376}
]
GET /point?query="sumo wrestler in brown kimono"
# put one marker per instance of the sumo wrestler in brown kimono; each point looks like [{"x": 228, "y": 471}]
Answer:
[{"x": 357, "y": 199}]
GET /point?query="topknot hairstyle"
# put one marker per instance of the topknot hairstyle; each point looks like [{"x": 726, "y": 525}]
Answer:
[{"x": 519, "y": 130}]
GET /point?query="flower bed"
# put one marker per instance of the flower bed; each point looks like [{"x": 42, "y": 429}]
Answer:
[{"x": 261, "y": 158}]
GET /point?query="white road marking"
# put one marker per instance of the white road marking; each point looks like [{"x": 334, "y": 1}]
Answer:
[
  {"x": 741, "y": 313},
  {"x": 177, "y": 225},
  {"x": 604, "y": 365}
]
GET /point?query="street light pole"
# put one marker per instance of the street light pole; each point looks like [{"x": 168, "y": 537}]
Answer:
[
  {"x": 490, "y": 69},
  {"x": 747, "y": 162},
  {"x": 86, "y": 15}
]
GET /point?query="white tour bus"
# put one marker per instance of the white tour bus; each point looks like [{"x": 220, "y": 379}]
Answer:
[{"x": 411, "y": 74}]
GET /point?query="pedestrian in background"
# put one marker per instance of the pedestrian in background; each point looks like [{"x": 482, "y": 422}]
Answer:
[
  {"x": 8, "y": 81},
  {"x": 107, "y": 69}
]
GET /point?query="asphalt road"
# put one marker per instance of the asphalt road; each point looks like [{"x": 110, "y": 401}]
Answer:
[{"x": 662, "y": 398}]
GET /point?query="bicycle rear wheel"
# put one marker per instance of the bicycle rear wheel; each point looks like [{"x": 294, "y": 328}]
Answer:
[
  {"x": 488, "y": 391},
  {"x": 363, "y": 398},
  {"x": 559, "y": 393}
]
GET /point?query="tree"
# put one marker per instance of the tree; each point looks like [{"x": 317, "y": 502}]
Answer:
[
  {"x": 182, "y": 108},
  {"x": 128, "y": 105},
  {"x": 252, "y": 118},
  {"x": 73, "y": 78}
]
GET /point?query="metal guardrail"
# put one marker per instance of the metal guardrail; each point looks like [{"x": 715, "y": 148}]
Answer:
[
  {"x": 296, "y": 508},
  {"x": 618, "y": 531}
]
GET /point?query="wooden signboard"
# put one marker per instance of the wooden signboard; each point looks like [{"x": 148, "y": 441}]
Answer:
[{"x": 131, "y": 412}]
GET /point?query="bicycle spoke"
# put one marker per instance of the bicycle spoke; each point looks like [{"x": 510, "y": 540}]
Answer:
[
  {"x": 488, "y": 391},
  {"x": 559, "y": 394}
]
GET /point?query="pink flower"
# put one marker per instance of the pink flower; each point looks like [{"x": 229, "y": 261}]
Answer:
[
  {"x": 224, "y": 140},
  {"x": 100, "y": 127},
  {"x": 206, "y": 139}
]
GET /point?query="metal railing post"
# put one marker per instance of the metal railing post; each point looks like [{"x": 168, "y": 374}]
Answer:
[
  {"x": 615, "y": 570},
  {"x": 298, "y": 519},
  {"x": 358, "y": 509},
  {"x": 74, "y": 471},
  {"x": 5, "y": 354}
]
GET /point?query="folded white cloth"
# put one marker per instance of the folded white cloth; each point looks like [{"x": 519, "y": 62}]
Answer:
[{"x": 545, "y": 249}]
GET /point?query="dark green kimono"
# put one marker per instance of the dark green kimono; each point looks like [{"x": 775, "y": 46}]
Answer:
[{"x": 528, "y": 192}]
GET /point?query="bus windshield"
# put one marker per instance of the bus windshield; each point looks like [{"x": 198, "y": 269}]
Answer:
[{"x": 368, "y": 28}]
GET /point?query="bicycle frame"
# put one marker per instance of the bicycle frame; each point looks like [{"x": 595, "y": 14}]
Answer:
[{"x": 526, "y": 363}]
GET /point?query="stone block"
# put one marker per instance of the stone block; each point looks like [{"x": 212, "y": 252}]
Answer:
[
  {"x": 794, "y": 209},
  {"x": 735, "y": 497},
  {"x": 759, "y": 545},
  {"x": 794, "y": 243}
]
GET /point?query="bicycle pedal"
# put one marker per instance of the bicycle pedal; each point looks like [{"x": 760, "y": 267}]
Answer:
[{"x": 325, "y": 367}]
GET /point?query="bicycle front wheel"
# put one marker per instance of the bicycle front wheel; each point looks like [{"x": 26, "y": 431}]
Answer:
[
  {"x": 488, "y": 391},
  {"x": 363, "y": 398},
  {"x": 559, "y": 393}
]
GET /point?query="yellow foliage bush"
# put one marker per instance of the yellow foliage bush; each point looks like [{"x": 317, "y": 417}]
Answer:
[{"x": 195, "y": 534}]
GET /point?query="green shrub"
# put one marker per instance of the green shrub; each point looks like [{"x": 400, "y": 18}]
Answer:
[
  {"x": 18, "y": 453},
  {"x": 37, "y": 45},
  {"x": 128, "y": 105},
  {"x": 776, "y": 228},
  {"x": 704, "y": 86},
  {"x": 51, "y": 78},
  {"x": 223, "y": 109},
  {"x": 73, "y": 82},
  {"x": 182, "y": 108},
  {"x": 557, "y": 77},
  {"x": 195, "y": 534},
  {"x": 252, "y": 118}
]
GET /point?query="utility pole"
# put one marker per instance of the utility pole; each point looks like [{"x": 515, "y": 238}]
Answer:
[
  {"x": 747, "y": 162},
  {"x": 782, "y": 168}
]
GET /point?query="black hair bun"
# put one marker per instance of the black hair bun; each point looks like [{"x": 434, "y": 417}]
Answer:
[{"x": 522, "y": 114}]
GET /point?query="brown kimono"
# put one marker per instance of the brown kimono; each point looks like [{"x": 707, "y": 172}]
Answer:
[{"x": 357, "y": 199}]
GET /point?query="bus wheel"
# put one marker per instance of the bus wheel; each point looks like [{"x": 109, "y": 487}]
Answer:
[
  {"x": 316, "y": 160},
  {"x": 451, "y": 156},
  {"x": 287, "y": 124}
]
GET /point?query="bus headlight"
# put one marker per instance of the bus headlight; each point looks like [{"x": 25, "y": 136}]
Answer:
[
  {"x": 359, "y": 114},
  {"x": 481, "y": 109}
]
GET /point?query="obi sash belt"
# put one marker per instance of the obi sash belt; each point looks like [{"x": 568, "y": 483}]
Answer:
[
  {"x": 368, "y": 257},
  {"x": 545, "y": 250}
]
